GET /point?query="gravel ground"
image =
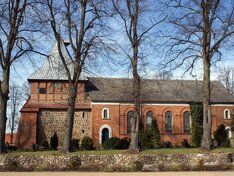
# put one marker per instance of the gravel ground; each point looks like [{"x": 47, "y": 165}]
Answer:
[{"x": 116, "y": 174}]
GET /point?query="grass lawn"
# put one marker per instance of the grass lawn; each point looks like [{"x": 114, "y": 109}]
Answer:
[{"x": 112, "y": 152}]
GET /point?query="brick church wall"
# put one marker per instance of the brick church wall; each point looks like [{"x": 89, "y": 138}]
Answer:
[
  {"x": 118, "y": 119},
  {"x": 50, "y": 121}
]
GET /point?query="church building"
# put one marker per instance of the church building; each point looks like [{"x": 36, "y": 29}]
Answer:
[{"x": 104, "y": 106}]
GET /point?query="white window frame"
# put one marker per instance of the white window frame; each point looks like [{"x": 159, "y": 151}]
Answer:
[
  {"x": 229, "y": 115},
  {"x": 108, "y": 117}
]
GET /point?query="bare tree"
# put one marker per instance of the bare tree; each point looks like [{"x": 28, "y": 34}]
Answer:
[
  {"x": 17, "y": 40},
  {"x": 81, "y": 23},
  {"x": 25, "y": 90},
  {"x": 13, "y": 45},
  {"x": 198, "y": 30},
  {"x": 15, "y": 101},
  {"x": 163, "y": 75},
  {"x": 226, "y": 77},
  {"x": 131, "y": 13}
]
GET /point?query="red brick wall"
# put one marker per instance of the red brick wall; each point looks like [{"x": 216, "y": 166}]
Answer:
[
  {"x": 98, "y": 121},
  {"x": 118, "y": 119},
  {"x": 26, "y": 135}
]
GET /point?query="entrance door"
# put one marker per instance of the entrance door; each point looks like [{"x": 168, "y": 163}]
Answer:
[{"x": 105, "y": 135}]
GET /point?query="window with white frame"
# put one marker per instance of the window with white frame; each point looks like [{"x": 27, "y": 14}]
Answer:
[
  {"x": 105, "y": 113},
  {"x": 227, "y": 114}
]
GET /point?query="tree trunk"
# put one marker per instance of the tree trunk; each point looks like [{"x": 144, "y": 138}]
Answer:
[
  {"x": 70, "y": 117},
  {"x": 136, "y": 113},
  {"x": 206, "y": 42},
  {"x": 4, "y": 91},
  {"x": 12, "y": 127},
  {"x": 207, "y": 119}
]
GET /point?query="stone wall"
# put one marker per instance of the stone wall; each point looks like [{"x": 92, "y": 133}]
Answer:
[
  {"x": 50, "y": 121},
  {"x": 121, "y": 160}
]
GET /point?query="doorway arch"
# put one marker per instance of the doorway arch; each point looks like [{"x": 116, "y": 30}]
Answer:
[{"x": 105, "y": 132}]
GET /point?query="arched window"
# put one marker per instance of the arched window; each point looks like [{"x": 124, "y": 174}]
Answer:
[
  {"x": 129, "y": 121},
  {"x": 105, "y": 113},
  {"x": 187, "y": 122},
  {"x": 227, "y": 114},
  {"x": 168, "y": 122},
  {"x": 229, "y": 132},
  {"x": 149, "y": 118}
]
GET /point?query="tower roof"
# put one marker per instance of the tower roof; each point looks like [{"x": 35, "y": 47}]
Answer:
[{"x": 52, "y": 68}]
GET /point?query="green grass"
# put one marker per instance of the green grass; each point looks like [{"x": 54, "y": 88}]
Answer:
[
  {"x": 59, "y": 153},
  {"x": 186, "y": 151},
  {"x": 113, "y": 152}
]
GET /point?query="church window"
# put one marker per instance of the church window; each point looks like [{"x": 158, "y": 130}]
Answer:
[
  {"x": 187, "y": 122},
  {"x": 227, "y": 114},
  {"x": 129, "y": 121},
  {"x": 105, "y": 113},
  {"x": 149, "y": 118},
  {"x": 168, "y": 122}
]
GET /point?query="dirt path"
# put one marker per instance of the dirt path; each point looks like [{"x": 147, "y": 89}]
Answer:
[{"x": 116, "y": 174}]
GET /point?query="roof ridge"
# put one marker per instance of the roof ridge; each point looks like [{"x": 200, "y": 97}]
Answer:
[{"x": 152, "y": 79}]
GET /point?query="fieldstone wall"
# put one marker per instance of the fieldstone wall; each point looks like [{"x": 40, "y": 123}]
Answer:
[
  {"x": 121, "y": 160},
  {"x": 50, "y": 121}
]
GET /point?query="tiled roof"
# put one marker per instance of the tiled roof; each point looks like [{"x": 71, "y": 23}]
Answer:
[
  {"x": 53, "y": 68},
  {"x": 156, "y": 91}
]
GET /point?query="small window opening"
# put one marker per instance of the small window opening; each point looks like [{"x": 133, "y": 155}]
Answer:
[{"x": 42, "y": 90}]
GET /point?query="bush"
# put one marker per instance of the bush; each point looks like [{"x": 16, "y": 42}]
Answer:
[
  {"x": 34, "y": 147},
  {"x": 226, "y": 143},
  {"x": 123, "y": 143},
  {"x": 75, "y": 144},
  {"x": 110, "y": 143},
  {"x": 54, "y": 141},
  {"x": 150, "y": 138},
  {"x": 185, "y": 144},
  {"x": 145, "y": 139},
  {"x": 156, "y": 139},
  {"x": 116, "y": 143},
  {"x": 44, "y": 145},
  {"x": 87, "y": 143},
  {"x": 167, "y": 144},
  {"x": 220, "y": 134}
]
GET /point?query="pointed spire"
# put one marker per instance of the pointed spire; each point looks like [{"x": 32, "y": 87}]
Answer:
[{"x": 52, "y": 68}]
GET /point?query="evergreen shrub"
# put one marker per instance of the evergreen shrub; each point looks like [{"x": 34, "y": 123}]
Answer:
[
  {"x": 75, "y": 144},
  {"x": 54, "y": 141},
  {"x": 87, "y": 143},
  {"x": 220, "y": 134},
  {"x": 116, "y": 143},
  {"x": 197, "y": 123},
  {"x": 150, "y": 138}
]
